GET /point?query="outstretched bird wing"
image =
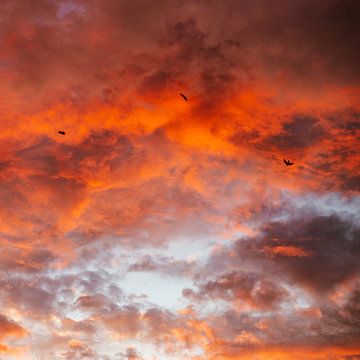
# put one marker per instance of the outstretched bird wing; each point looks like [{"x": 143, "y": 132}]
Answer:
[
  {"x": 182, "y": 95},
  {"x": 288, "y": 162}
]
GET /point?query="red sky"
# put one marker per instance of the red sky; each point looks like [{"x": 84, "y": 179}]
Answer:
[{"x": 163, "y": 229}]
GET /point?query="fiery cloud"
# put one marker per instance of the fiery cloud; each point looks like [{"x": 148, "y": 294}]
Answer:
[{"x": 159, "y": 228}]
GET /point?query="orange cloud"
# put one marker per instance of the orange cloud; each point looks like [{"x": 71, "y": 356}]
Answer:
[
  {"x": 140, "y": 171},
  {"x": 10, "y": 328},
  {"x": 286, "y": 250},
  {"x": 288, "y": 353},
  {"x": 75, "y": 344}
]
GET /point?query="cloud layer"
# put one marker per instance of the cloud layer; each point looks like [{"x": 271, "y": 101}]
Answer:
[{"x": 163, "y": 229}]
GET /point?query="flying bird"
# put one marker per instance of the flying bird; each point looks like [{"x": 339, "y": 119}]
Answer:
[
  {"x": 183, "y": 96},
  {"x": 288, "y": 162},
  {"x": 61, "y": 132}
]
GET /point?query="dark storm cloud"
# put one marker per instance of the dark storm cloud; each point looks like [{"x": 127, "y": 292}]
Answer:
[
  {"x": 301, "y": 132},
  {"x": 304, "y": 41},
  {"x": 347, "y": 120},
  {"x": 298, "y": 41},
  {"x": 308, "y": 42},
  {"x": 315, "y": 251},
  {"x": 190, "y": 61},
  {"x": 351, "y": 182},
  {"x": 339, "y": 160}
]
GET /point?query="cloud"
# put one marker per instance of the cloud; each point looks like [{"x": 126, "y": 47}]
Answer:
[
  {"x": 312, "y": 250},
  {"x": 79, "y": 351},
  {"x": 164, "y": 265},
  {"x": 300, "y": 132},
  {"x": 291, "y": 251},
  {"x": 242, "y": 287},
  {"x": 140, "y": 171},
  {"x": 17, "y": 260},
  {"x": 9, "y": 328},
  {"x": 304, "y": 263},
  {"x": 125, "y": 321},
  {"x": 130, "y": 354}
]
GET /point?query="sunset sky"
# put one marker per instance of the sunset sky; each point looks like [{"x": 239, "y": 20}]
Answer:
[{"x": 160, "y": 229}]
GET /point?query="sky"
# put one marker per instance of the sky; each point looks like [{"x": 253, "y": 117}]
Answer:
[{"x": 163, "y": 229}]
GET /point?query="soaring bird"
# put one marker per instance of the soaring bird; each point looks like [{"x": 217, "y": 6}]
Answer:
[
  {"x": 288, "y": 162},
  {"x": 184, "y": 97},
  {"x": 61, "y": 132}
]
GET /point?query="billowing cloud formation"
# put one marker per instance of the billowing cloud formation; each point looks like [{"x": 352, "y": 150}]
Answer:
[
  {"x": 315, "y": 259},
  {"x": 162, "y": 229},
  {"x": 320, "y": 251},
  {"x": 9, "y": 329}
]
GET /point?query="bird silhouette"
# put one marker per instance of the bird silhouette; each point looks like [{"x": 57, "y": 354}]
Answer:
[
  {"x": 183, "y": 96},
  {"x": 288, "y": 162},
  {"x": 61, "y": 132}
]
